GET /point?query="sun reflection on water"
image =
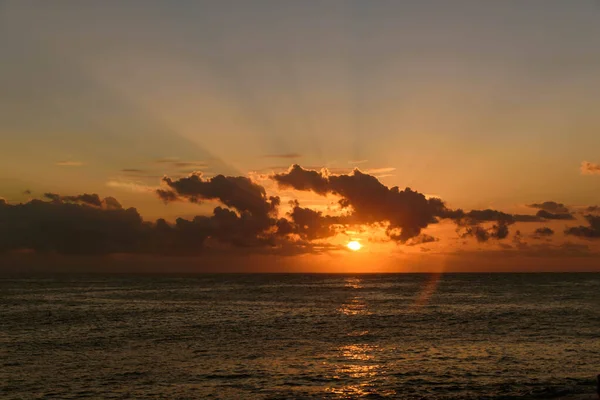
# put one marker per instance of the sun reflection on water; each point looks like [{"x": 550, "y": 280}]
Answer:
[
  {"x": 353, "y": 282},
  {"x": 356, "y": 305},
  {"x": 359, "y": 367},
  {"x": 361, "y": 372}
]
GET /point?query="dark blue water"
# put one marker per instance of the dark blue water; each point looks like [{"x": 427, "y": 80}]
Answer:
[{"x": 453, "y": 336}]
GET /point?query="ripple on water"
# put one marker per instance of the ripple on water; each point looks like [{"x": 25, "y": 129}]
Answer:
[{"x": 300, "y": 336}]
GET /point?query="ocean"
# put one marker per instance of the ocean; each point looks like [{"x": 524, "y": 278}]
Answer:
[{"x": 300, "y": 336}]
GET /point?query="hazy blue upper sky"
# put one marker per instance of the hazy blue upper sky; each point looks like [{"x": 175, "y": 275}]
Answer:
[{"x": 482, "y": 103}]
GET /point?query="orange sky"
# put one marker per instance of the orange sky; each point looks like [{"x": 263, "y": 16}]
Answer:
[{"x": 108, "y": 99}]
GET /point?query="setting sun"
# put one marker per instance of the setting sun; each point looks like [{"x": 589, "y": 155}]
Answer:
[{"x": 354, "y": 245}]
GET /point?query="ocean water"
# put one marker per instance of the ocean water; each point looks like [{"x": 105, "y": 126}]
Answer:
[{"x": 447, "y": 336}]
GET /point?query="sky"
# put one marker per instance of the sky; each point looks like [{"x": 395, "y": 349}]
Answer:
[{"x": 196, "y": 111}]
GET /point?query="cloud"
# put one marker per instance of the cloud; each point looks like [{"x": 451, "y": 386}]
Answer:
[
  {"x": 90, "y": 225},
  {"x": 592, "y": 231},
  {"x": 255, "y": 222},
  {"x": 93, "y": 200},
  {"x": 593, "y": 209},
  {"x": 421, "y": 239},
  {"x": 167, "y": 195},
  {"x": 189, "y": 164},
  {"x": 518, "y": 241},
  {"x": 283, "y": 155},
  {"x": 89, "y": 199},
  {"x": 551, "y": 210},
  {"x": 488, "y": 215},
  {"x": 308, "y": 224},
  {"x": 542, "y": 232},
  {"x": 247, "y": 217},
  {"x": 357, "y": 161},
  {"x": 303, "y": 179},
  {"x": 380, "y": 172},
  {"x": 133, "y": 170},
  {"x": 588, "y": 168},
  {"x": 497, "y": 231},
  {"x": 83, "y": 224},
  {"x": 131, "y": 186},
  {"x": 406, "y": 212},
  {"x": 69, "y": 163},
  {"x": 548, "y": 215},
  {"x": 550, "y": 206},
  {"x": 238, "y": 192},
  {"x": 177, "y": 163}
]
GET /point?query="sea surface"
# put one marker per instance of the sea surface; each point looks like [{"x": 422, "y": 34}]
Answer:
[{"x": 271, "y": 336}]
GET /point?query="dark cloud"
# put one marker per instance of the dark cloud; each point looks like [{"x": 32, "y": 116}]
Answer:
[
  {"x": 299, "y": 178},
  {"x": 593, "y": 209},
  {"x": 110, "y": 203},
  {"x": 497, "y": 231},
  {"x": 89, "y": 199},
  {"x": 550, "y": 206},
  {"x": 518, "y": 240},
  {"x": 590, "y": 168},
  {"x": 224, "y": 226},
  {"x": 247, "y": 218},
  {"x": 133, "y": 170},
  {"x": 478, "y": 232},
  {"x": 27, "y": 192},
  {"x": 309, "y": 224},
  {"x": 88, "y": 225},
  {"x": 548, "y": 215},
  {"x": 526, "y": 218},
  {"x": 488, "y": 215},
  {"x": 283, "y": 155},
  {"x": 407, "y": 212},
  {"x": 421, "y": 239},
  {"x": 592, "y": 231},
  {"x": 237, "y": 192},
  {"x": 254, "y": 224},
  {"x": 500, "y": 231},
  {"x": 477, "y": 216},
  {"x": 93, "y": 200},
  {"x": 69, "y": 225},
  {"x": 167, "y": 195},
  {"x": 543, "y": 232}
]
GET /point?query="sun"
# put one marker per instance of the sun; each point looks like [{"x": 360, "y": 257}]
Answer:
[{"x": 354, "y": 245}]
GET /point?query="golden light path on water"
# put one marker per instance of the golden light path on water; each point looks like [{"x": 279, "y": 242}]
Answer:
[
  {"x": 363, "y": 361},
  {"x": 358, "y": 360}
]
